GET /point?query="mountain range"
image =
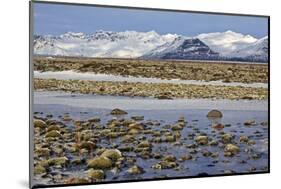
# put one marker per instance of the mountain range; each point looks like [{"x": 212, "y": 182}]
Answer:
[{"x": 227, "y": 45}]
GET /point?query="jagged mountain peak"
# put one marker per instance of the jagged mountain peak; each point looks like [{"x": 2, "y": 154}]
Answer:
[{"x": 182, "y": 48}]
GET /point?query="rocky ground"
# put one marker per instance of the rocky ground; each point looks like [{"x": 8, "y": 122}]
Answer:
[
  {"x": 155, "y": 90},
  {"x": 227, "y": 72},
  {"x": 119, "y": 146},
  {"x": 90, "y": 151}
]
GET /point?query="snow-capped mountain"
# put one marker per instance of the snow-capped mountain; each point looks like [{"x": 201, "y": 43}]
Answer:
[
  {"x": 227, "y": 45},
  {"x": 183, "y": 48},
  {"x": 227, "y": 42},
  {"x": 128, "y": 44},
  {"x": 256, "y": 51}
]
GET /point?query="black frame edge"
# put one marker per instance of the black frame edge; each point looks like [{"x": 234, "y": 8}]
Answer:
[{"x": 31, "y": 156}]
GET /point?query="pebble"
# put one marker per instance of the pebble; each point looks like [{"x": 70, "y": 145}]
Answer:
[
  {"x": 138, "y": 118},
  {"x": 39, "y": 124},
  {"x": 38, "y": 169},
  {"x": 214, "y": 114},
  {"x": 226, "y": 138},
  {"x": 218, "y": 126},
  {"x": 250, "y": 123},
  {"x": 231, "y": 149},
  {"x": 53, "y": 134},
  {"x": 95, "y": 174},
  {"x": 135, "y": 170},
  {"x": 100, "y": 163},
  {"x": 201, "y": 140},
  {"x": 118, "y": 112},
  {"x": 113, "y": 154}
]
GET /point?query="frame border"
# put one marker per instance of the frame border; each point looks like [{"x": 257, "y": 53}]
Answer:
[
  {"x": 31, "y": 90},
  {"x": 31, "y": 95}
]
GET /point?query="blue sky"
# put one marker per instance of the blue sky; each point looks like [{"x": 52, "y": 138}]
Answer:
[{"x": 55, "y": 19}]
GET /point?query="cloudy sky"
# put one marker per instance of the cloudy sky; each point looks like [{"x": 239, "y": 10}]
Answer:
[{"x": 55, "y": 19}]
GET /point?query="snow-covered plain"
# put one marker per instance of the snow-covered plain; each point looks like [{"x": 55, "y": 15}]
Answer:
[{"x": 70, "y": 74}]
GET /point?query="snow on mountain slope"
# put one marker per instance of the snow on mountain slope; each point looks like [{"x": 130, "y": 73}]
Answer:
[
  {"x": 165, "y": 48},
  {"x": 257, "y": 50},
  {"x": 182, "y": 48},
  {"x": 227, "y": 45},
  {"x": 227, "y": 42},
  {"x": 128, "y": 44}
]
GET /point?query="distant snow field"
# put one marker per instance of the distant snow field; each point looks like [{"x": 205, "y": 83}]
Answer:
[{"x": 66, "y": 75}]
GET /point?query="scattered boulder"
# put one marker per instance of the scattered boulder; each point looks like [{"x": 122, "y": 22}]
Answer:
[
  {"x": 182, "y": 119},
  {"x": 144, "y": 153},
  {"x": 201, "y": 140},
  {"x": 53, "y": 127},
  {"x": 144, "y": 144},
  {"x": 138, "y": 118},
  {"x": 157, "y": 140},
  {"x": 135, "y": 126},
  {"x": 170, "y": 158},
  {"x": 117, "y": 111},
  {"x": 177, "y": 127},
  {"x": 135, "y": 170},
  {"x": 77, "y": 161},
  {"x": 218, "y": 126},
  {"x": 53, "y": 134},
  {"x": 251, "y": 142},
  {"x": 231, "y": 149},
  {"x": 126, "y": 148},
  {"x": 244, "y": 139},
  {"x": 186, "y": 157},
  {"x": 38, "y": 123},
  {"x": 112, "y": 135},
  {"x": 44, "y": 163},
  {"x": 214, "y": 114},
  {"x": 96, "y": 174},
  {"x": 226, "y": 138},
  {"x": 248, "y": 97},
  {"x": 114, "y": 124},
  {"x": 128, "y": 139},
  {"x": 170, "y": 138},
  {"x": 66, "y": 118},
  {"x": 113, "y": 154},
  {"x": 134, "y": 131},
  {"x": 206, "y": 153},
  {"x": 250, "y": 123},
  {"x": 58, "y": 150},
  {"x": 87, "y": 145},
  {"x": 38, "y": 169},
  {"x": 165, "y": 165},
  {"x": 213, "y": 143},
  {"x": 100, "y": 163},
  {"x": 42, "y": 152},
  {"x": 62, "y": 161}
]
